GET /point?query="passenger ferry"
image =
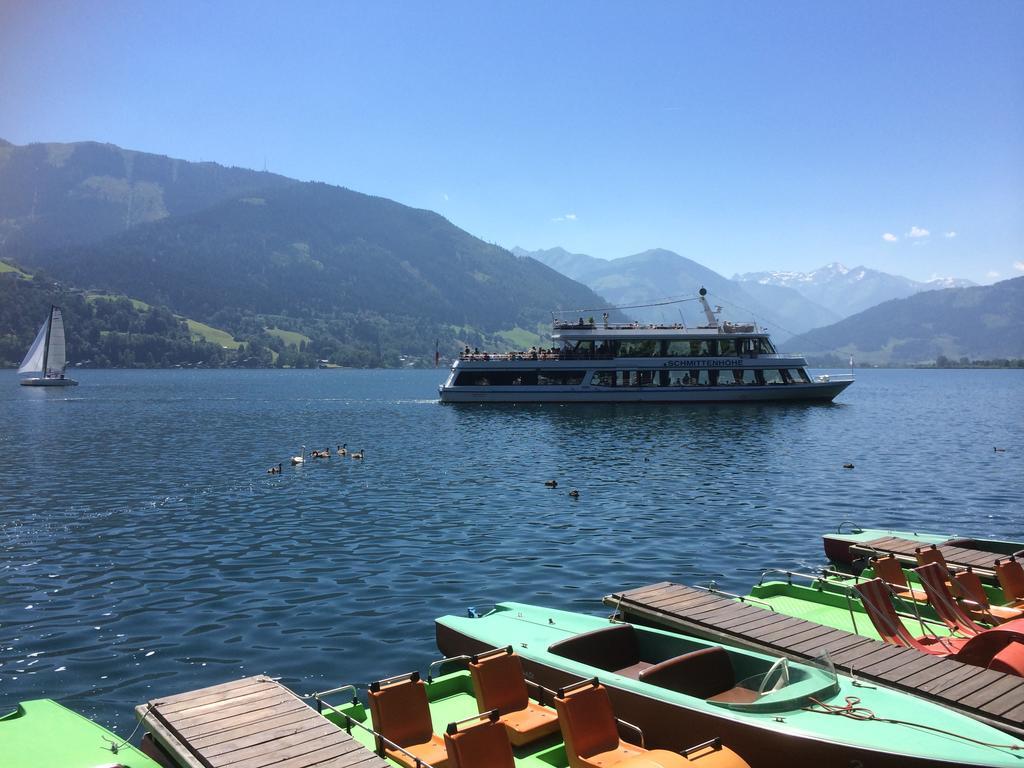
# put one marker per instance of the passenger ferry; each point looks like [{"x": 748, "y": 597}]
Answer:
[{"x": 607, "y": 362}]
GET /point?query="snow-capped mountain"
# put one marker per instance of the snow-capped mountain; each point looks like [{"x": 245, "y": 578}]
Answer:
[{"x": 848, "y": 291}]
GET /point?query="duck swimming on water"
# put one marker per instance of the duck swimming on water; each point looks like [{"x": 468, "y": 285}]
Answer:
[
  {"x": 357, "y": 454},
  {"x": 343, "y": 449},
  {"x": 551, "y": 483},
  {"x": 574, "y": 493},
  {"x": 301, "y": 458},
  {"x": 274, "y": 470}
]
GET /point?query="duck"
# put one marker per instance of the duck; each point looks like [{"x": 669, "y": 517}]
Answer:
[
  {"x": 357, "y": 454},
  {"x": 324, "y": 454},
  {"x": 574, "y": 493},
  {"x": 343, "y": 449},
  {"x": 301, "y": 458},
  {"x": 999, "y": 450},
  {"x": 551, "y": 483},
  {"x": 274, "y": 470},
  {"x": 847, "y": 466}
]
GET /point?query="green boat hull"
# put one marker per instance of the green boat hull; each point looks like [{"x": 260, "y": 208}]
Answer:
[
  {"x": 43, "y": 734},
  {"x": 785, "y": 733}
]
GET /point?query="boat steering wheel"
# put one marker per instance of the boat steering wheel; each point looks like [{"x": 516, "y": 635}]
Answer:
[{"x": 782, "y": 668}]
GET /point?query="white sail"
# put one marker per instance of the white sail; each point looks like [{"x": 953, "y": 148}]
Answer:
[
  {"x": 56, "y": 359},
  {"x": 33, "y": 362}
]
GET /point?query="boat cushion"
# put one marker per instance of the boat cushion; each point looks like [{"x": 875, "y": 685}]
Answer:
[
  {"x": 400, "y": 713},
  {"x": 704, "y": 673},
  {"x": 1010, "y": 660},
  {"x": 1011, "y": 579},
  {"x": 481, "y": 744},
  {"x": 588, "y": 724},
  {"x": 611, "y": 648},
  {"x": 498, "y": 683}
]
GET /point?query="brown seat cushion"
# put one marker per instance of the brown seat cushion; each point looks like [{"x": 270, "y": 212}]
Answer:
[
  {"x": 702, "y": 673},
  {"x": 610, "y": 648}
]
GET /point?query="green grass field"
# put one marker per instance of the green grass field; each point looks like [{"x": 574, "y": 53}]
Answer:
[
  {"x": 5, "y": 267},
  {"x": 111, "y": 297},
  {"x": 211, "y": 334},
  {"x": 520, "y": 338},
  {"x": 290, "y": 338}
]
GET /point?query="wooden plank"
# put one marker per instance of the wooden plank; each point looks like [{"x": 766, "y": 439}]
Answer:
[
  {"x": 928, "y": 674},
  {"x": 963, "y": 689},
  {"x": 1009, "y": 689},
  {"x": 256, "y": 687},
  {"x": 283, "y": 747},
  {"x": 859, "y": 657},
  {"x": 639, "y": 593},
  {"x": 331, "y": 756},
  {"x": 251, "y": 716},
  {"x": 681, "y": 601},
  {"x": 786, "y": 636},
  {"x": 210, "y": 690},
  {"x": 206, "y": 716},
  {"x": 913, "y": 667},
  {"x": 292, "y": 718},
  {"x": 956, "y": 672},
  {"x": 260, "y": 733},
  {"x": 1015, "y": 715},
  {"x": 896, "y": 660},
  {"x": 730, "y": 610},
  {"x": 750, "y": 622},
  {"x": 1007, "y": 701},
  {"x": 818, "y": 645}
]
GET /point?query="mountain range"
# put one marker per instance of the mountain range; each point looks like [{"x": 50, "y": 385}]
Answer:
[
  {"x": 658, "y": 274},
  {"x": 981, "y": 322},
  {"x": 367, "y": 280},
  {"x": 846, "y": 291}
]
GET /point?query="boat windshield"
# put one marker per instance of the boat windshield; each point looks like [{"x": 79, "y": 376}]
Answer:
[{"x": 788, "y": 685}]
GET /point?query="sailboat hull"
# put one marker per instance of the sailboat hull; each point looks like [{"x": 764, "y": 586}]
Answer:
[{"x": 41, "y": 382}]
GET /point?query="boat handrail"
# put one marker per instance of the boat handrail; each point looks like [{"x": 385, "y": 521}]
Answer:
[
  {"x": 713, "y": 589},
  {"x": 430, "y": 669},
  {"x": 813, "y": 577},
  {"x": 854, "y": 527}
]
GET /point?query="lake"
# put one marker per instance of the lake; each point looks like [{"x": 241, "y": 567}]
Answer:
[{"x": 145, "y": 551}]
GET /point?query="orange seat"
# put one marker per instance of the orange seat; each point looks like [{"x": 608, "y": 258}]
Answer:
[
  {"x": 977, "y": 600},
  {"x": 933, "y": 578},
  {"x": 592, "y": 736},
  {"x": 1010, "y": 660},
  {"x": 889, "y": 570},
  {"x": 401, "y": 714},
  {"x": 875, "y": 596},
  {"x": 480, "y": 745},
  {"x": 930, "y": 554},
  {"x": 498, "y": 683},
  {"x": 1011, "y": 579}
]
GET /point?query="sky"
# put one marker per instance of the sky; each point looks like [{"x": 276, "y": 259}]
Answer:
[{"x": 745, "y": 135}]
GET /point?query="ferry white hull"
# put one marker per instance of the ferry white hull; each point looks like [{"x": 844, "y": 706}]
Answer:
[{"x": 812, "y": 392}]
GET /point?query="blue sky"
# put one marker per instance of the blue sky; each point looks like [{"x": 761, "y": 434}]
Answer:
[{"x": 745, "y": 135}]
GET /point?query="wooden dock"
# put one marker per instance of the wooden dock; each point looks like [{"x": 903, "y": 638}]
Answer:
[
  {"x": 993, "y": 697},
  {"x": 982, "y": 562},
  {"x": 251, "y": 723}
]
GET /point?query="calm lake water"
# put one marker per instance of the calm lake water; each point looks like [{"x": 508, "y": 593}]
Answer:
[{"x": 145, "y": 551}]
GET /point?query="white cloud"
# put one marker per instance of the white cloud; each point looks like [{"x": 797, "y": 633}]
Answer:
[
  {"x": 949, "y": 235},
  {"x": 889, "y": 237},
  {"x": 1019, "y": 266},
  {"x": 918, "y": 232},
  {"x": 445, "y": 196},
  {"x": 992, "y": 273},
  {"x": 565, "y": 217}
]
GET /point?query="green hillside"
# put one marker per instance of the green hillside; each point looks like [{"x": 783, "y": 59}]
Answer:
[
  {"x": 978, "y": 323},
  {"x": 360, "y": 280}
]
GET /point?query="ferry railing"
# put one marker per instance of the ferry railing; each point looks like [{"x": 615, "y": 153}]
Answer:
[{"x": 379, "y": 739}]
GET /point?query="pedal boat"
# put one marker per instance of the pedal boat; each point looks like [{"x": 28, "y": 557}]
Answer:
[
  {"x": 417, "y": 724},
  {"x": 772, "y": 712},
  {"x": 44, "y": 734}
]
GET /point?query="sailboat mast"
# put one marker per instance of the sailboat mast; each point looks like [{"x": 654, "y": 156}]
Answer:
[{"x": 46, "y": 344}]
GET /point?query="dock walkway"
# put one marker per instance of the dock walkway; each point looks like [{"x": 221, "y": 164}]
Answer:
[
  {"x": 981, "y": 561},
  {"x": 993, "y": 697},
  {"x": 254, "y": 722}
]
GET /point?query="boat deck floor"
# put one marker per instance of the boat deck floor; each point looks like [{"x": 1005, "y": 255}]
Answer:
[
  {"x": 993, "y": 697},
  {"x": 254, "y": 722},
  {"x": 980, "y": 560}
]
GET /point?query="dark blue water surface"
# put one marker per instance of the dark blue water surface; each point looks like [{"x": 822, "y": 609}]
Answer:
[{"x": 145, "y": 551}]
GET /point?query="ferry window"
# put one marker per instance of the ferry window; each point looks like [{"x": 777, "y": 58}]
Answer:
[
  {"x": 638, "y": 348},
  {"x": 604, "y": 379},
  {"x": 663, "y": 378},
  {"x": 703, "y": 377},
  {"x": 746, "y": 376},
  {"x": 627, "y": 379},
  {"x": 703, "y": 348},
  {"x": 727, "y": 377},
  {"x": 560, "y": 378},
  {"x": 726, "y": 347},
  {"x": 773, "y": 376},
  {"x": 765, "y": 347},
  {"x": 645, "y": 378},
  {"x": 677, "y": 349},
  {"x": 799, "y": 375}
]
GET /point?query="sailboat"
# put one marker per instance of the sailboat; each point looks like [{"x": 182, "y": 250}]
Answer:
[{"x": 47, "y": 357}]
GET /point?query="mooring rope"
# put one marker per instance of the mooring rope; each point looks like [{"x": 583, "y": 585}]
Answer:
[{"x": 853, "y": 711}]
